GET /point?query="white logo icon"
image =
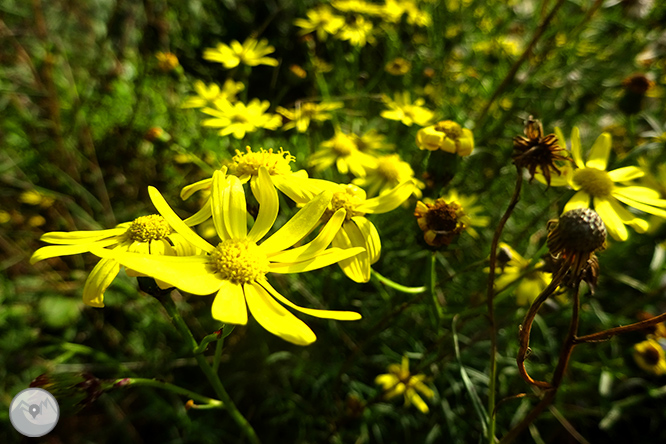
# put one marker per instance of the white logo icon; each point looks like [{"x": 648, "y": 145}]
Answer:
[{"x": 34, "y": 412}]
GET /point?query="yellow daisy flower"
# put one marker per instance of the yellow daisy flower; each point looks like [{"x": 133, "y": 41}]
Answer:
[
  {"x": 596, "y": 188},
  {"x": 357, "y": 6},
  {"x": 394, "y": 10},
  {"x": 404, "y": 110},
  {"x": 399, "y": 381},
  {"x": 252, "y": 52},
  {"x": 357, "y": 31},
  {"x": 147, "y": 235},
  {"x": 207, "y": 95},
  {"x": 166, "y": 61},
  {"x": 398, "y": 67},
  {"x": 236, "y": 268},
  {"x": 238, "y": 118},
  {"x": 447, "y": 136},
  {"x": 342, "y": 151},
  {"x": 371, "y": 141},
  {"x": 305, "y": 112},
  {"x": 650, "y": 356},
  {"x": 389, "y": 172},
  {"x": 322, "y": 20},
  {"x": 531, "y": 284}
]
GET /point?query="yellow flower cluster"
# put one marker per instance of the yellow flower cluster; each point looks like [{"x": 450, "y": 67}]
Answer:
[{"x": 447, "y": 136}]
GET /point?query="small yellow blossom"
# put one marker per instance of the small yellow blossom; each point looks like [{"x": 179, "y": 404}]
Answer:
[
  {"x": 358, "y": 7},
  {"x": 399, "y": 381},
  {"x": 322, "y": 20},
  {"x": 650, "y": 356},
  {"x": 166, "y": 61},
  {"x": 371, "y": 142},
  {"x": 447, "y": 136},
  {"x": 207, "y": 95},
  {"x": 390, "y": 171},
  {"x": 303, "y": 113},
  {"x": 398, "y": 66},
  {"x": 34, "y": 197},
  {"x": 357, "y": 31},
  {"x": 394, "y": 10},
  {"x": 342, "y": 151},
  {"x": 531, "y": 283},
  {"x": 252, "y": 52},
  {"x": 404, "y": 110},
  {"x": 239, "y": 118}
]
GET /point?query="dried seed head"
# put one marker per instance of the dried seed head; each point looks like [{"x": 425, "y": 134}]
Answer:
[{"x": 536, "y": 151}]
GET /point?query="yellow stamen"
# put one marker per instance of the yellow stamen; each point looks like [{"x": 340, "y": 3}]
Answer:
[
  {"x": 594, "y": 182},
  {"x": 239, "y": 261},
  {"x": 348, "y": 199},
  {"x": 149, "y": 228},
  {"x": 249, "y": 163}
]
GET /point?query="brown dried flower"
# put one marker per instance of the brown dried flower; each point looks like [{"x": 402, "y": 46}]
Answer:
[{"x": 536, "y": 151}]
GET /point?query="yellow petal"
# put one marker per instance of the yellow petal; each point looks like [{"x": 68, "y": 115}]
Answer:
[
  {"x": 266, "y": 195},
  {"x": 176, "y": 222},
  {"x": 275, "y": 318},
  {"x": 301, "y": 189},
  {"x": 200, "y": 216},
  {"x": 576, "y": 148},
  {"x": 362, "y": 260},
  {"x": 81, "y": 237},
  {"x": 611, "y": 219},
  {"x": 389, "y": 200},
  {"x": 373, "y": 244},
  {"x": 325, "y": 314},
  {"x": 189, "y": 190},
  {"x": 218, "y": 210},
  {"x": 641, "y": 194},
  {"x": 234, "y": 208},
  {"x": 326, "y": 258},
  {"x": 98, "y": 281},
  {"x": 298, "y": 226},
  {"x": 229, "y": 304},
  {"x": 599, "y": 153},
  {"x": 415, "y": 399},
  {"x": 639, "y": 206},
  {"x": 189, "y": 273},
  {"x": 625, "y": 174},
  {"x": 66, "y": 250},
  {"x": 579, "y": 200},
  {"x": 628, "y": 218},
  {"x": 318, "y": 244},
  {"x": 353, "y": 269}
]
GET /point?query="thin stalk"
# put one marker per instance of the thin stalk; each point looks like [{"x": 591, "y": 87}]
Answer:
[
  {"x": 394, "y": 285},
  {"x": 491, "y": 307},
  {"x": 432, "y": 279},
  {"x": 144, "y": 382}
]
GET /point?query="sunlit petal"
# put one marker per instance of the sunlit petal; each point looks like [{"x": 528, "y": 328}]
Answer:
[
  {"x": 266, "y": 195},
  {"x": 611, "y": 219},
  {"x": 189, "y": 190},
  {"x": 98, "y": 281},
  {"x": 229, "y": 304},
  {"x": 579, "y": 200},
  {"x": 200, "y": 216},
  {"x": 357, "y": 239},
  {"x": 641, "y": 206},
  {"x": 625, "y": 174},
  {"x": 325, "y": 314},
  {"x": 298, "y": 226},
  {"x": 598, "y": 157},
  {"x": 628, "y": 218},
  {"x": 218, "y": 209},
  {"x": 234, "y": 208},
  {"x": 576, "y": 151},
  {"x": 389, "y": 200},
  {"x": 66, "y": 250},
  {"x": 81, "y": 237},
  {"x": 350, "y": 267},
  {"x": 176, "y": 222},
  {"x": 328, "y": 257},
  {"x": 641, "y": 194},
  {"x": 275, "y": 318},
  {"x": 373, "y": 243}
]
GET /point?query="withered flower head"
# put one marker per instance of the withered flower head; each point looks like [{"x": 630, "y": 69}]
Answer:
[
  {"x": 440, "y": 222},
  {"x": 534, "y": 151},
  {"x": 572, "y": 241},
  {"x": 635, "y": 88},
  {"x": 637, "y": 83}
]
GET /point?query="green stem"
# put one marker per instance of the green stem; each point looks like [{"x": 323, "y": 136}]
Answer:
[
  {"x": 396, "y": 286},
  {"x": 218, "y": 354},
  {"x": 437, "y": 307},
  {"x": 144, "y": 382},
  {"x": 212, "y": 376},
  {"x": 207, "y": 340}
]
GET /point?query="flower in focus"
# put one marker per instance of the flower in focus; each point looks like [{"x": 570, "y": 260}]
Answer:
[
  {"x": 252, "y": 52},
  {"x": 447, "y": 136},
  {"x": 147, "y": 235},
  {"x": 342, "y": 151},
  {"x": 605, "y": 190},
  {"x": 357, "y": 30},
  {"x": 207, "y": 95},
  {"x": 404, "y": 110},
  {"x": 517, "y": 268},
  {"x": 322, "y": 20},
  {"x": 389, "y": 172},
  {"x": 236, "y": 268},
  {"x": 650, "y": 356},
  {"x": 166, "y": 61},
  {"x": 305, "y": 112},
  {"x": 398, "y": 66},
  {"x": 537, "y": 152},
  {"x": 399, "y": 381},
  {"x": 239, "y": 118}
]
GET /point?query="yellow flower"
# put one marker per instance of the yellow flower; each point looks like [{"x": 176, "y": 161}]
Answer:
[
  {"x": 605, "y": 190},
  {"x": 407, "y": 112},
  {"x": 239, "y": 118},
  {"x": 398, "y": 66},
  {"x": 471, "y": 217},
  {"x": 371, "y": 141},
  {"x": 322, "y": 20},
  {"x": 357, "y": 231},
  {"x": 146, "y": 234},
  {"x": 358, "y": 32},
  {"x": 447, "y": 136},
  {"x": 357, "y": 6},
  {"x": 342, "y": 151},
  {"x": 305, "y": 112},
  {"x": 207, "y": 95},
  {"x": 252, "y": 52},
  {"x": 395, "y": 9},
  {"x": 236, "y": 268},
  {"x": 34, "y": 197},
  {"x": 399, "y": 381},
  {"x": 166, "y": 61},
  {"x": 650, "y": 356},
  {"x": 389, "y": 172},
  {"x": 530, "y": 284}
]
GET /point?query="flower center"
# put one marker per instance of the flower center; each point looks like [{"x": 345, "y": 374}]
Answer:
[
  {"x": 390, "y": 167},
  {"x": 239, "y": 261},
  {"x": 594, "y": 182},
  {"x": 651, "y": 355},
  {"x": 149, "y": 228},
  {"x": 350, "y": 198},
  {"x": 343, "y": 145},
  {"x": 277, "y": 164},
  {"x": 444, "y": 217},
  {"x": 240, "y": 118},
  {"x": 308, "y": 110},
  {"x": 450, "y": 128}
]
